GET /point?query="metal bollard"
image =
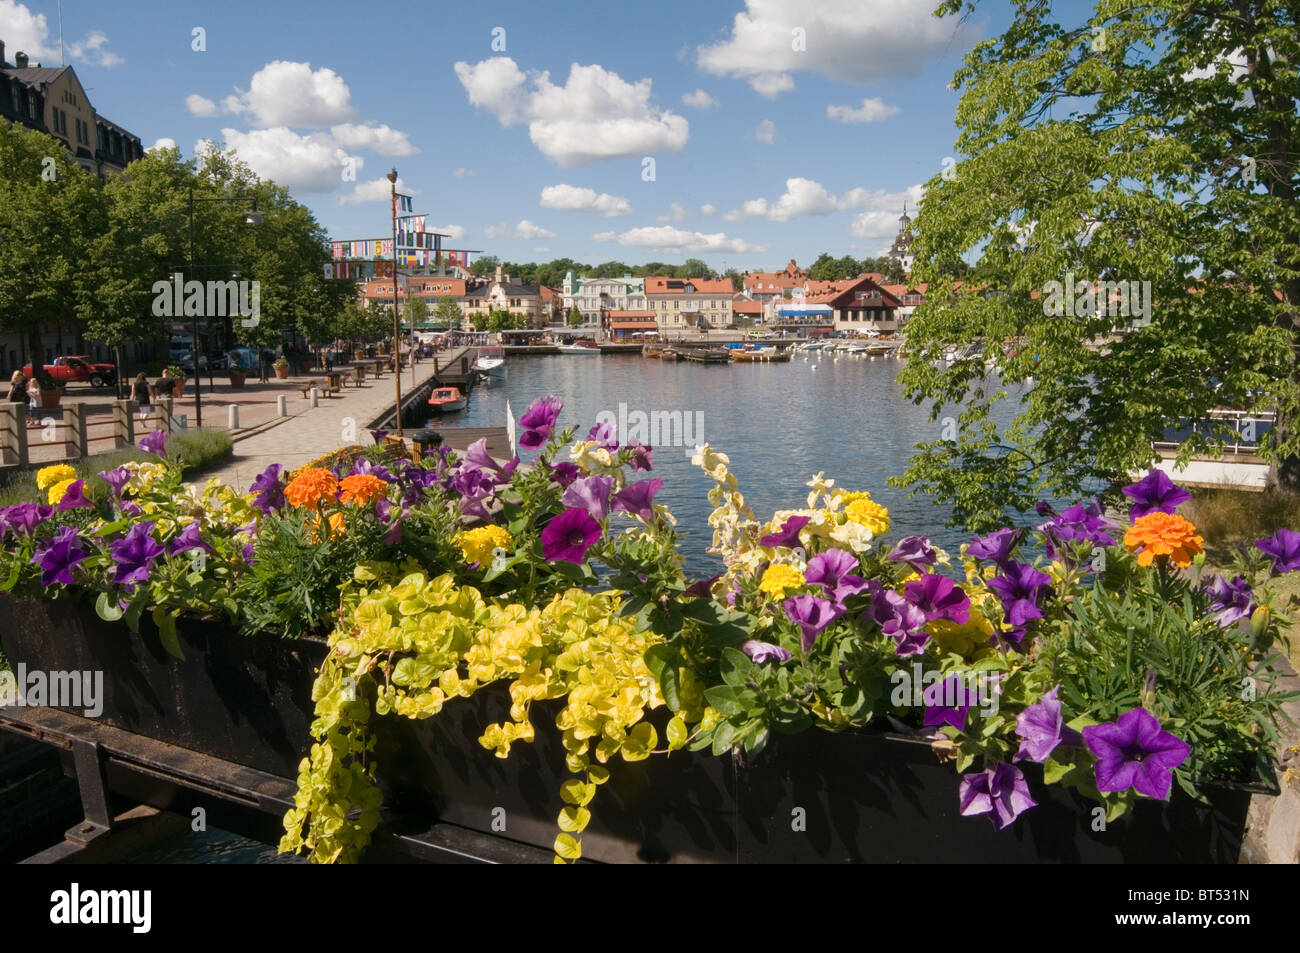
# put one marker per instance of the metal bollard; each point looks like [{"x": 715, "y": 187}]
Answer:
[
  {"x": 315, "y": 397},
  {"x": 282, "y": 406},
  {"x": 232, "y": 417}
]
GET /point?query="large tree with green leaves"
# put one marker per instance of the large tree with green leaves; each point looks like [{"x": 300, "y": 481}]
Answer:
[
  {"x": 448, "y": 313},
  {"x": 50, "y": 211},
  {"x": 1155, "y": 142}
]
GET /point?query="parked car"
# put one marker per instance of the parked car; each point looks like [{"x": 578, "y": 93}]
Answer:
[
  {"x": 184, "y": 358},
  {"x": 79, "y": 369}
]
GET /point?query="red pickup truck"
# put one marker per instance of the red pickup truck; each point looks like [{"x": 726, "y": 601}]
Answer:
[{"x": 81, "y": 369}]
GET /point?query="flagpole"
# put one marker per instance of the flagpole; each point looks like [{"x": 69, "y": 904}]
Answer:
[{"x": 397, "y": 340}]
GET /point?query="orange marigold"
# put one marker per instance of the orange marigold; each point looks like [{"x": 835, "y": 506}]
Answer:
[
  {"x": 1163, "y": 534},
  {"x": 336, "y": 523},
  {"x": 312, "y": 487},
  {"x": 362, "y": 488}
]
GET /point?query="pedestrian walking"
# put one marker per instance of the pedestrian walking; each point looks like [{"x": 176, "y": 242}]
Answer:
[{"x": 142, "y": 394}]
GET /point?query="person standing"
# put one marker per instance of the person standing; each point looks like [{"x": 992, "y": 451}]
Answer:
[{"x": 17, "y": 388}]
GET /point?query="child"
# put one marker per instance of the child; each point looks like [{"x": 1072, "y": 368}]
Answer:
[{"x": 33, "y": 403}]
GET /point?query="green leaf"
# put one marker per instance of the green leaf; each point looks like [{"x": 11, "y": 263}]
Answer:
[
  {"x": 107, "y": 608},
  {"x": 166, "y": 623},
  {"x": 729, "y": 700}
]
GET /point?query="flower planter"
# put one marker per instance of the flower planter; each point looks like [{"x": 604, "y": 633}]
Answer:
[
  {"x": 178, "y": 386},
  {"x": 281, "y": 371},
  {"x": 237, "y": 378},
  {"x": 816, "y": 797},
  {"x": 51, "y": 398}
]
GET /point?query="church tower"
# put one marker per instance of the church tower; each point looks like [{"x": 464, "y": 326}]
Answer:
[{"x": 902, "y": 247}]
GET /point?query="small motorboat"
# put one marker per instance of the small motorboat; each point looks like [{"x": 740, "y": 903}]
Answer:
[
  {"x": 444, "y": 400},
  {"x": 579, "y": 347},
  {"x": 492, "y": 362}
]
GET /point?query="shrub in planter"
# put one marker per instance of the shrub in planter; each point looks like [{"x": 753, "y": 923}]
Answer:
[
  {"x": 281, "y": 366},
  {"x": 237, "y": 377},
  {"x": 1104, "y": 670}
]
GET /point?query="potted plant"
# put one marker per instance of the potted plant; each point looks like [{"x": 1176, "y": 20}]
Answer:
[
  {"x": 51, "y": 390},
  {"x": 567, "y": 672},
  {"x": 177, "y": 374},
  {"x": 281, "y": 366},
  {"x": 237, "y": 376}
]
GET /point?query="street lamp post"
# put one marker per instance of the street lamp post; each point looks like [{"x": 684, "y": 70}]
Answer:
[
  {"x": 397, "y": 346},
  {"x": 251, "y": 217}
]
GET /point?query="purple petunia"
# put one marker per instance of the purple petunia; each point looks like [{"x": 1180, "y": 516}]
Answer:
[
  {"x": 916, "y": 551},
  {"x": 134, "y": 554},
  {"x": 1284, "y": 547},
  {"x": 57, "y": 556},
  {"x": 1041, "y": 728},
  {"x": 562, "y": 474},
  {"x": 188, "y": 539},
  {"x": 948, "y": 702},
  {"x": 117, "y": 479},
  {"x": 1001, "y": 792},
  {"x": 703, "y": 589},
  {"x": 1020, "y": 587},
  {"x": 605, "y": 435},
  {"x": 1230, "y": 601},
  {"x": 643, "y": 456},
  {"x": 269, "y": 490},
  {"x": 568, "y": 536},
  {"x": 898, "y": 619},
  {"x": 939, "y": 598},
  {"x": 831, "y": 570},
  {"x": 590, "y": 494},
  {"x": 1083, "y": 522},
  {"x": 812, "y": 614},
  {"x": 538, "y": 421},
  {"x": 996, "y": 546},
  {"x": 762, "y": 652},
  {"x": 74, "y": 498},
  {"x": 638, "y": 499},
  {"x": 1134, "y": 752},
  {"x": 788, "y": 535},
  {"x": 154, "y": 442},
  {"x": 23, "y": 518},
  {"x": 1154, "y": 493}
]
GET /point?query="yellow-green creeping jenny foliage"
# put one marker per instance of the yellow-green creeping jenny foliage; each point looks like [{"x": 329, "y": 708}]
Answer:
[{"x": 410, "y": 648}]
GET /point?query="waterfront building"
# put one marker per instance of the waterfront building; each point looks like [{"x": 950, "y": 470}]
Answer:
[
  {"x": 593, "y": 296},
  {"x": 628, "y": 325},
  {"x": 51, "y": 99},
  {"x": 910, "y": 295},
  {"x": 503, "y": 293},
  {"x": 683, "y": 303},
  {"x": 862, "y": 305},
  {"x": 743, "y": 309}
]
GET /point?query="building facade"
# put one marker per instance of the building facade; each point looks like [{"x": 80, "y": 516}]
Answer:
[
  {"x": 52, "y": 100},
  {"x": 592, "y": 296},
  {"x": 503, "y": 293},
  {"x": 682, "y": 303}
]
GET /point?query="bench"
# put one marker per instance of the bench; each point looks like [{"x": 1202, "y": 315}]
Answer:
[
  {"x": 395, "y": 446},
  {"x": 306, "y": 388}
]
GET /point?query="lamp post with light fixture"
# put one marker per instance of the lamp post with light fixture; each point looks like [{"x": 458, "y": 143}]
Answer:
[
  {"x": 397, "y": 341},
  {"x": 251, "y": 217}
]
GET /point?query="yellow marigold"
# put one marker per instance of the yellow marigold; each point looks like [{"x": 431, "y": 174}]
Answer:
[
  {"x": 477, "y": 544},
  {"x": 845, "y": 497},
  {"x": 1163, "y": 534},
  {"x": 868, "y": 513},
  {"x": 312, "y": 487},
  {"x": 780, "y": 577},
  {"x": 362, "y": 488},
  {"x": 60, "y": 488},
  {"x": 46, "y": 477}
]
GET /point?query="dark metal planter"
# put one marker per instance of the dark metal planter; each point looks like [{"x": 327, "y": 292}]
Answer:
[{"x": 815, "y": 797}]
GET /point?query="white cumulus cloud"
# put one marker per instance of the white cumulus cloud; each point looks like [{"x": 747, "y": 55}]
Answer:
[
  {"x": 382, "y": 139},
  {"x": 162, "y": 142},
  {"x": 526, "y": 229},
  {"x": 850, "y": 41},
  {"x": 571, "y": 198},
  {"x": 595, "y": 115},
  {"x": 879, "y": 221},
  {"x": 313, "y": 163},
  {"x": 200, "y": 105},
  {"x": 27, "y": 32},
  {"x": 871, "y": 110},
  {"x": 284, "y": 93},
  {"x": 376, "y": 190},
  {"x": 699, "y": 100},
  {"x": 666, "y": 238}
]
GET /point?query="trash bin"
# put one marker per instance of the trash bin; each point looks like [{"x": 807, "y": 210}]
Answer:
[{"x": 426, "y": 440}]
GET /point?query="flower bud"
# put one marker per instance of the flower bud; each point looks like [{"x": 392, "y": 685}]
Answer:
[{"x": 1259, "y": 625}]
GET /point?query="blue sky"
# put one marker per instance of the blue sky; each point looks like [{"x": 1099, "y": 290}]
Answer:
[{"x": 776, "y": 152}]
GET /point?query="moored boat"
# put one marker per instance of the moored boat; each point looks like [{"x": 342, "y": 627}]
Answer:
[
  {"x": 446, "y": 400},
  {"x": 579, "y": 347},
  {"x": 492, "y": 362}
]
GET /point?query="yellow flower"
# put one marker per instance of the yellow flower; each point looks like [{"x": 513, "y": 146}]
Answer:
[
  {"x": 478, "y": 544},
  {"x": 46, "y": 477},
  {"x": 780, "y": 577},
  {"x": 60, "y": 488},
  {"x": 870, "y": 514}
]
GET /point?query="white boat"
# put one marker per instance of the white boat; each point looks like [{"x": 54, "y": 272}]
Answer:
[
  {"x": 492, "y": 362},
  {"x": 579, "y": 347}
]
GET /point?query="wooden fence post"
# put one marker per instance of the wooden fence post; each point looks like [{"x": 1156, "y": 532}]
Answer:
[
  {"x": 164, "y": 406},
  {"x": 13, "y": 434},
  {"x": 123, "y": 423},
  {"x": 75, "y": 440}
]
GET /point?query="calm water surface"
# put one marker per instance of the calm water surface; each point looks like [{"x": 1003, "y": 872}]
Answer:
[{"x": 779, "y": 424}]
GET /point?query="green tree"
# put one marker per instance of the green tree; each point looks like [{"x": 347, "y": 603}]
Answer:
[
  {"x": 416, "y": 311},
  {"x": 610, "y": 269},
  {"x": 575, "y": 317},
  {"x": 694, "y": 268},
  {"x": 448, "y": 313},
  {"x": 51, "y": 212},
  {"x": 485, "y": 265},
  {"x": 1155, "y": 143},
  {"x": 823, "y": 269},
  {"x": 479, "y": 321}
]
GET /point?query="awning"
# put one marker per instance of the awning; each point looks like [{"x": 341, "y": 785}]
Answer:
[{"x": 634, "y": 325}]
